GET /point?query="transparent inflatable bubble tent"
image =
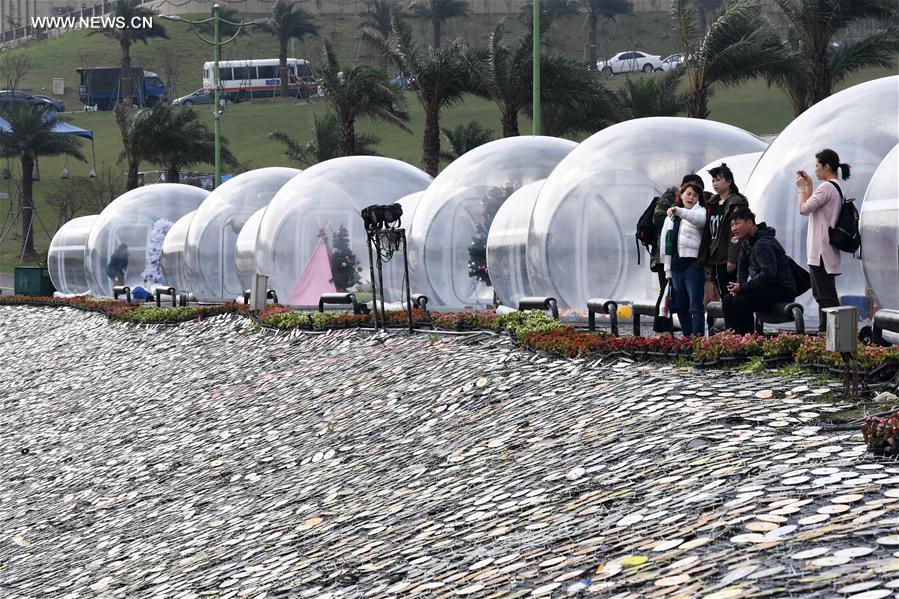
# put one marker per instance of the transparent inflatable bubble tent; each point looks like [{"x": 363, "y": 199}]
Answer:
[
  {"x": 245, "y": 249},
  {"x": 394, "y": 272},
  {"x": 741, "y": 165},
  {"x": 860, "y": 124},
  {"x": 173, "y": 250},
  {"x": 311, "y": 238},
  {"x": 507, "y": 244},
  {"x": 448, "y": 246},
  {"x": 135, "y": 225},
  {"x": 880, "y": 232},
  {"x": 210, "y": 245},
  {"x": 65, "y": 258},
  {"x": 581, "y": 241}
]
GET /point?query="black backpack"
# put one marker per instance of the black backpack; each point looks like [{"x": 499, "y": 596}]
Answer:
[
  {"x": 646, "y": 230},
  {"x": 844, "y": 234}
]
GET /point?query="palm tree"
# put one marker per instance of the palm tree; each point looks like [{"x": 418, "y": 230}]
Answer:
[
  {"x": 816, "y": 63},
  {"x": 441, "y": 77},
  {"x": 656, "y": 96},
  {"x": 566, "y": 86},
  {"x": 288, "y": 21},
  {"x": 360, "y": 92},
  {"x": 130, "y": 14},
  {"x": 581, "y": 107},
  {"x": 607, "y": 9},
  {"x": 186, "y": 141},
  {"x": 739, "y": 45},
  {"x": 139, "y": 131},
  {"x": 464, "y": 138},
  {"x": 704, "y": 8},
  {"x": 438, "y": 11},
  {"x": 377, "y": 16},
  {"x": 29, "y": 136},
  {"x": 226, "y": 29},
  {"x": 549, "y": 10},
  {"x": 324, "y": 143}
]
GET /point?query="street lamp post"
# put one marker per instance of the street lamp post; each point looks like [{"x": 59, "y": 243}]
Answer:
[{"x": 216, "y": 42}]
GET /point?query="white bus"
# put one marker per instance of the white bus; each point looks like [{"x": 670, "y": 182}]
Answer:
[{"x": 241, "y": 80}]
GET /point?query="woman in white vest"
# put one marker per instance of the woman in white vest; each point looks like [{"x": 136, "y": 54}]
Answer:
[{"x": 680, "y": 239}]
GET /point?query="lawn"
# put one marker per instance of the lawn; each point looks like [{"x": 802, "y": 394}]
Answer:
[{"x": 752, "y": 106}]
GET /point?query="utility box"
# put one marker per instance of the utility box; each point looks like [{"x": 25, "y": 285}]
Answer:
[
  {"x": 258, "y": 291},
  {"x": 842, "y": 329},
  {"x": 32, "y": 280}
]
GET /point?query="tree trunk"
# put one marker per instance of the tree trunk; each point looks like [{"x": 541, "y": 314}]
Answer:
[
  {"x": 438, "y": 25},
  {"x": 127, "y": 85},
  {"x": 172, "y": 174},
  {"x": 699, "y": 102},
  {"x": 820, "y": 79},
  {"x": 282, "y": 66},
  {"x": 347, "y": 138},
  {"x": 509, "y": 120},
  {"x": 132, "y": 181},
  {"x": 28, "y": 208},
  {"x": 430, "y": 150},
  {"x": 592, "y": 49},
  {"x": 703, "y": 19}
]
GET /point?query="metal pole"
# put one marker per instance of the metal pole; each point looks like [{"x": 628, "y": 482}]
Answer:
[
  {"x": 216, "y": 115},
  {"x": 408, "y": 290},
  {"x": 535, "y": 88},
  {"x": 380, "y": 278},
  {"x": 371, "y": 266}
]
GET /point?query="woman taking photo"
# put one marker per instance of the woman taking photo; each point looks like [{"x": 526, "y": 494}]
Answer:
[
  {"x": 822, "y": 208},
  {"x": 681, "y": 237}
]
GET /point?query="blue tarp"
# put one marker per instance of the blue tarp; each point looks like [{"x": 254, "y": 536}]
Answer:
[{"x": 60, "y": 128}]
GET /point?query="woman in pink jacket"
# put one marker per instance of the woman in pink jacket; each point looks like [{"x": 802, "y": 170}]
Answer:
[{"x": 822, "y": 208}]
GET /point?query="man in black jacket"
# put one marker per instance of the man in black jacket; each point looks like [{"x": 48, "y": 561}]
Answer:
[{"x": 764, "y": 276}]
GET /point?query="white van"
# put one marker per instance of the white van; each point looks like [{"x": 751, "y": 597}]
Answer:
[{"x": 241, "y": 80}]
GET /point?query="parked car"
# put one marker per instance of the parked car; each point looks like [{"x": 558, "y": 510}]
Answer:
[
  {"x": 57, "y": 105},
  {"x": 15, "y": 98},
  {"x": 197, "y": 97},
  {"x": 628, "y": 62},
  {"x": 402, "y": 82},
  {"x": 672, "y": 63}
]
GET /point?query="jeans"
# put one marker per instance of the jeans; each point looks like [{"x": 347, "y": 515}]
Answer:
[
  {"x": 824, "y": 289},
  {"x": 741, "y": 308},
  {"x": 688, "y": 280}
]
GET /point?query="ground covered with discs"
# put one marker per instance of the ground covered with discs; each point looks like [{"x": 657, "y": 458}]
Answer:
[{"x": 212, "y": 459}]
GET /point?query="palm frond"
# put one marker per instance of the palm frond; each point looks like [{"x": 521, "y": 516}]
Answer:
[{"x": 877, "y": 50}]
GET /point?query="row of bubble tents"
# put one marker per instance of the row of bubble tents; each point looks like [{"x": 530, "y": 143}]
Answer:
[{"x": 516, "y": 217}]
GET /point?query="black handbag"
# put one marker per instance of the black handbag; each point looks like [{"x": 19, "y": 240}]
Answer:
[{"x": 801, "y": 276}]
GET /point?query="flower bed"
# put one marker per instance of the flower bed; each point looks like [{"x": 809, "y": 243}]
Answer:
[
  {"x": 533, "y": 329},
  {"x": 882, "y": 434}
]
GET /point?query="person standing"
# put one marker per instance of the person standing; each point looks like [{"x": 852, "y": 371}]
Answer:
[
  {"x": 822, "y": 209},
  {"x": 118, "y": 264},
  {"x": 662, "y": 325},
  {"x": 682, "y": 235},
  {"x": 764, "y": 275},
  {"x": 719, "y": 251}
]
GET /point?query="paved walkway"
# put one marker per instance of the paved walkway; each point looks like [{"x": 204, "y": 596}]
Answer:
[{"x": 210, "y": 459}]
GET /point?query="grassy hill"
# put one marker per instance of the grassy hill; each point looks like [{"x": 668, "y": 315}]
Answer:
[{"x": 753, "y": 106}]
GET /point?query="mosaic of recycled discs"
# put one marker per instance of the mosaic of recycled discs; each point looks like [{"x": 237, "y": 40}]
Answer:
[{"x": 211, "y": 459}]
